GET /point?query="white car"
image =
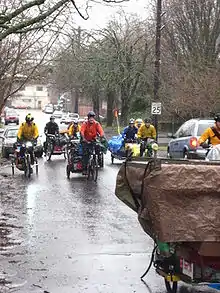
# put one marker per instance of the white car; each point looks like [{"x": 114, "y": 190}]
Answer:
[
  {"x": 58, "y": 114},
  {"x": 48, "y": 109},
  {"x": 68, "y": 118}
]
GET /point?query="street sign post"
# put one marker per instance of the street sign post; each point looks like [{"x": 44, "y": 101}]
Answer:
[{"x": 156, "y": 108}]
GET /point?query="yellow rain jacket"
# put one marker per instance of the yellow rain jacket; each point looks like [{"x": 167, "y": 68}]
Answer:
[
  {"x": 144, "y": 132},
  {"x": 210, "y": 135},
  {"x": 73, "y": 130},
  {"x": 28, "y": 131}
]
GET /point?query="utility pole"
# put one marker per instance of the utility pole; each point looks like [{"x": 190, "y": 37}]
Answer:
[
  {"x": 77, "y": 85},
  {"x": 157, "y": 59}
]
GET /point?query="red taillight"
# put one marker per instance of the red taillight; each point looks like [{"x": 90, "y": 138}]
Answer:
[{"x": 193, "y": 142}]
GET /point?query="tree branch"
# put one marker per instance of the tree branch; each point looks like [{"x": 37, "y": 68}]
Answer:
[{"x": 30, "y": 22}]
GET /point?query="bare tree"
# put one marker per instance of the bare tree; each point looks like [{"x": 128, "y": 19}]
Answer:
[
  {"x": 18, "y": 65},
  {"x": 20, "y": 16}
]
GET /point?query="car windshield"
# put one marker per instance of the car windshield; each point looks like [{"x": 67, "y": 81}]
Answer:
[
  {"x": 11, "y": 113},
  {"x": 12, "y": 133},
  {"x": 202, "y": 127},
  {"x": 73, "y": 115}
]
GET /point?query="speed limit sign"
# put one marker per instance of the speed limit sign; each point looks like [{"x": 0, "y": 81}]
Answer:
[{"x": 156, "y": 108}]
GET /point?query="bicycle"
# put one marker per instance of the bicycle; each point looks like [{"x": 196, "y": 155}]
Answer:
[
  {"x": 93, "y": 162},
  {"x": 23, "y": 158}
]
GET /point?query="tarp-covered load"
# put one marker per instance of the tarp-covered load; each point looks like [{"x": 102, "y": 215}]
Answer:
[{"x": 175, "y": 202}]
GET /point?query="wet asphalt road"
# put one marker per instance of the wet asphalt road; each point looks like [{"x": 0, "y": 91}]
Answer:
[{"x": 63, "y": 236}]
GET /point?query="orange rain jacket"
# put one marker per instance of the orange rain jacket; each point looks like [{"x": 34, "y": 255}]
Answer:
[{"x": 89, "y": 131}]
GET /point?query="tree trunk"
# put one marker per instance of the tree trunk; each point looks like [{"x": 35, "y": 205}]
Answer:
[
  {"x": 76, "y": 110},
  {"x": 124, "y": 106},
  {"x": 110, "y": 106},
  {"x": 96, "y": 104}
]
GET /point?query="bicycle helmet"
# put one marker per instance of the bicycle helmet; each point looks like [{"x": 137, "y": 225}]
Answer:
[
  {"x": 139, "y": 121},
  {"x": 91, "y": 114},
  {"x": 29, "y": 118},
  {"x": 131, "y": 121},
  {"x": 217, "y": 117},
  {"x": 75, "y": 121},
  {"x": 147, "y": 120}
]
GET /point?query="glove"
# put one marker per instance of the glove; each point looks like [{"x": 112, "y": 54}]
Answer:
[
  {"x": 103, "y": 139},
  {"x": 35, "y": 141},
  {"x": 205, "y": 145}
]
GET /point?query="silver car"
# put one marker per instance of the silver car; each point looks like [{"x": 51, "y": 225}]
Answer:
[
  {"x": 9, "y": 137},
  {"x": 184, "y": 143}
]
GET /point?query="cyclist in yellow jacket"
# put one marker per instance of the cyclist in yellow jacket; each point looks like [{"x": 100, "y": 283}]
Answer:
[
  {"x": 28, "y": 129},
  {"x": 146, "y": 131},
  {"x": 212, "y": 134},
  {"x": 74, "y": 129},
  {"x": 139, "y": 123}
]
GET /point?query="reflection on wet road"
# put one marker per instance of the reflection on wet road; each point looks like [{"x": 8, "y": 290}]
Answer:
[
  {"x": 70, "y": 236},
  {"x": 63, "y": 236}
]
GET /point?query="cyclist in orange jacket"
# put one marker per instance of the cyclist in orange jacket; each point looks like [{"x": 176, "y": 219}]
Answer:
[{"x": 89, "y": 132}]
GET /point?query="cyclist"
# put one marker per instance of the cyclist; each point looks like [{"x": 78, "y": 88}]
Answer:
[
  {"x": 212, "y": 134},
  {"x": 89, "y": 132},
  {"x": 138, "y": 123},
  {"x": 130, "y": 132},
  {"x": 146, "y": 131},
  {"x": 74, "y": 129},
  {"x": 50, "y": 128},
  {"x": 28, "y": 131}
]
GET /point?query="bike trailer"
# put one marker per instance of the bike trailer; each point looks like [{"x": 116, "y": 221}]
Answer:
[
  {"x": 178, "y": 206},
  {"x": 134, "y": 148}
]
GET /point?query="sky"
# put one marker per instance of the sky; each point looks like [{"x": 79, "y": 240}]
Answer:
[{"x": 100, "y": 14}]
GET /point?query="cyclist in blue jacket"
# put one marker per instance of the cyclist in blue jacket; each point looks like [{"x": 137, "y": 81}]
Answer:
[{"x": 130, "y": 132}]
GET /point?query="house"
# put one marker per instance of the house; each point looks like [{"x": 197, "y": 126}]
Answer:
[{"x": 31, "y": 95}]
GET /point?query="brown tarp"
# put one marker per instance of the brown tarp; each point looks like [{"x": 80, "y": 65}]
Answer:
[{"x": 176, "y": 202}]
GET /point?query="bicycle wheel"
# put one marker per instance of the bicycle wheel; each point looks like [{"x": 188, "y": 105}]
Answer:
[
  {"x": 68, "y": 171},
  {"x": 89, "y": 169},
  {"x": 95, "y": 168},
  {"x": 49, "y": 151},
  {"x": 101, "y": 160},
  {"x": 36, "y": 165},
  {"x": 13, "y": 167},
  {"x": 171, "y": 286},
  {"x": 65, "y": 154},
  {"x": 27, "y": 171}
]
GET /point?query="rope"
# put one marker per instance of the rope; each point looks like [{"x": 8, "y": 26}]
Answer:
[{"x": 151, "y": 262}]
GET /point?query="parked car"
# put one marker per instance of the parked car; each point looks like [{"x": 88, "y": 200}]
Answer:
[
  {"x": 184, "y": 143},
  {"x": 9, "y": 137},
  {"x": 11, "y": 116},
  {"x": 48, "y": 109},
  {"x": 58, "y": 114},
  {"x": 21, "y": 107},
  {"x": 81, "y": 121},
  {"x": 67, "y": 118}
]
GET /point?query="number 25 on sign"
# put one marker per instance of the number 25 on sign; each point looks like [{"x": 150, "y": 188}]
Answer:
[{"x": 156, "y": 108}]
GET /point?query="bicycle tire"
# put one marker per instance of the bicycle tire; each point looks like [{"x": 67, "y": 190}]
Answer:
[
  {"x": 89, "y": 171},
  {"x": 49, "y": 151},
  {"x": 37, "y": 167},
  {"x": 95, "y": 169},
  {"x": 27, "y": 171},
  {"x": 68, "y": 172}
]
